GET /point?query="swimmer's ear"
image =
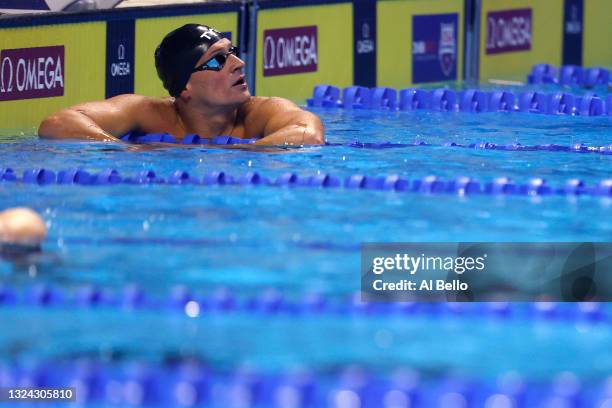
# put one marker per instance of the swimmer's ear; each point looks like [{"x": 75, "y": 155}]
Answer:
[{"x": 186, "y": 93}]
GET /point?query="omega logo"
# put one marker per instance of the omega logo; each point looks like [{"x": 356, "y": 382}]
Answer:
[{"x": 121, "y": 68}]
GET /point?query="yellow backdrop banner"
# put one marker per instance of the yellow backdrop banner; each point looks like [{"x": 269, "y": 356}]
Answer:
[
  {"x": 47, "y": 68},
  {"x": 597, "y": 50},
  {"x": 395, "y": 43},
  {"x": 300, "y": 47},
  {"x": 516, "y": 34}
]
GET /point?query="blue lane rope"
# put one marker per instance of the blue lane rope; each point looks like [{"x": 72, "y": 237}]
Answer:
[
  {"x": 471, "y": 100},
  {"x": 514, "y": 147},
  {"x": 190, "y": 382},
  {"x": 202, "y": 242},
  {"x": 191, "y": 139},
  {"x": 269, "y": 302},
  {"x": 462, "y": 185},
  {"x": 570, "y": 75},
  {"x": 226, "y": 140}
]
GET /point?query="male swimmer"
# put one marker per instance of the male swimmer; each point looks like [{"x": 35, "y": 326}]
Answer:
[
  {"x": 209, "y": 97},
  {"x": 21, "y": 231}
]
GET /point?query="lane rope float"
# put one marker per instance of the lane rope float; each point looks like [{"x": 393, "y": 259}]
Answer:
[{"x": 461, "y": 185}]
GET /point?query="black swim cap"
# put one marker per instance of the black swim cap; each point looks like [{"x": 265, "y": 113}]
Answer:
[{"x": 179, "y": 52}]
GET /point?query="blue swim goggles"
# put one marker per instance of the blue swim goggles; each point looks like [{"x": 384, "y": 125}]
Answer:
[{"x": 217, "y": 62}]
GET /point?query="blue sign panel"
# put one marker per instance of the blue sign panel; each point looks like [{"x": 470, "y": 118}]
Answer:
[
  {"x": 364, "y": 33},
  {"x": 227, "y": 34},
  {"x": 120, "y": 57},
  {"x": 434, "y": 48},
  {"x": 24, "y": 4},
  {"x": 572, "y": 32}
]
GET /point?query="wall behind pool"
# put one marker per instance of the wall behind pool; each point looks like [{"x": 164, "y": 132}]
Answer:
[
  {"x": 419, "y": 41},
  {"x": 301, "y": 46},
  {"x": 597, "y": 33},
  {"x": 57, "y": 60},
  {"x": 515, "y": 34},
  {"x": 70, "y": 71}
]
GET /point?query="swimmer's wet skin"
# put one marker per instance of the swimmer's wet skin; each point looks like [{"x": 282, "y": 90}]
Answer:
[
  {"x": 21, "y": 232},
  {"x": 209, "y": 97}
]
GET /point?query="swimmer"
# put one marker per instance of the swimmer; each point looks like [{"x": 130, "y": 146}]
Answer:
[
  {"x": 209, "y": 97},
  {"x": 21, "y": 231}
]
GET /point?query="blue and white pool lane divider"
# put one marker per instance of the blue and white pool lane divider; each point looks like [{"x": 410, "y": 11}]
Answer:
[
  {"x": 461, "y": 185},
  {"x": 471, "y": 100},
  {"x": 191, "y": 139},
  {"x": 182, "y": 299},
  {"x": 191, "y": 382},
  {"x": 569, "y": 75},
  {"x": 514, "y": 147},
  {"x": 188, "y": 382}
]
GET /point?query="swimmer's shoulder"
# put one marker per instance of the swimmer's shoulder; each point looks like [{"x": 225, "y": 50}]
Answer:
[
  {"x": 145, "y": 104},
  {"x": 152, "y": 114},
  {"x": 267, "y": 103},
  {"x": 161, "y": 107},
  {"x": 259, "y": 109}
]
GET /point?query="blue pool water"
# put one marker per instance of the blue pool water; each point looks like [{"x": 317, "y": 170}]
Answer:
[{"x": 301, "y": 241}]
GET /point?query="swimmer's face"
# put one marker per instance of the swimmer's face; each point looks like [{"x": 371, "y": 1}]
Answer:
[{"x": 225, "y": 87}]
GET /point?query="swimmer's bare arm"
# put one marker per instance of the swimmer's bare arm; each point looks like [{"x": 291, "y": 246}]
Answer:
[
  {"x": 101, "y": 121},
  {"x": 282, "y": 122}
]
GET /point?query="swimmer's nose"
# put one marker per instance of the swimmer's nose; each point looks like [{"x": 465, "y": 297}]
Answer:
[{"x": 237, "y": 63}]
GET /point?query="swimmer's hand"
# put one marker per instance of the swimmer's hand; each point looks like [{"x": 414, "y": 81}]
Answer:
[{"x": 296, "y": 135}]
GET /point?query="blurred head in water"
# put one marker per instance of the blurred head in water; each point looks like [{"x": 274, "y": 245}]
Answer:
[{"x": 21, "y": 230}]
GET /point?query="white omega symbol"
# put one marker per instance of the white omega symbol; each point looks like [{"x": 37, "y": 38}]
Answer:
[
  {"x": 121, "y": 52},
  {"x": 365, "y": 30},
  {"x": 269, "y": 58},
  {"x": 9, "y": 88}
]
